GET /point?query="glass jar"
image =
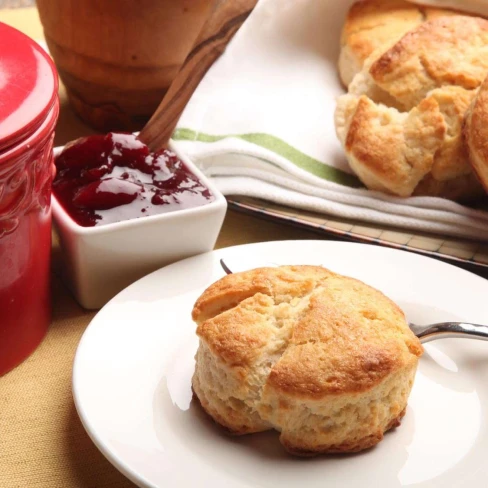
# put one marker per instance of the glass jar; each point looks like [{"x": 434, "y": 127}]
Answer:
[{"x": 28, "y": 114}]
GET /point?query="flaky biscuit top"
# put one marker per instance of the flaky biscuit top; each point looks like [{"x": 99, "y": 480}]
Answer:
[
  {"x": 321, "y": 333},
  {"x": 372, "y": 23},
  {"x": 444, "y": 51}
]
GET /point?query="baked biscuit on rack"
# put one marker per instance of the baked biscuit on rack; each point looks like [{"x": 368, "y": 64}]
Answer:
[
  {"x": 476, "y": 134},
  {"x": 377, "y": 24},
  {"x": 401, "y": 123}
]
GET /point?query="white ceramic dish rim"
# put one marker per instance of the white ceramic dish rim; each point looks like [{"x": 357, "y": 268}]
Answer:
[
  {"x": 62, "y": 215},
  {"x": 104, "y": 447}
]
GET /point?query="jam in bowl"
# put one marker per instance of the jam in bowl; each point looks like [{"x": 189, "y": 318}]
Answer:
[
  {"x": 110, "y": 178},
  {"x": 121, "y": 212}
]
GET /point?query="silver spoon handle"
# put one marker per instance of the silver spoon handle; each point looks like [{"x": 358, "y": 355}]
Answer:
[{"x": 457, "y": 330}]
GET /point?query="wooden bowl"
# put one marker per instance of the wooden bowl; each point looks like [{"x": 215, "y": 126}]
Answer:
[{"x": 117, "y": 58}]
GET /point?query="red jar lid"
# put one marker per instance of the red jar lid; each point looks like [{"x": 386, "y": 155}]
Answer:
[{"x": 28, "y": 86}]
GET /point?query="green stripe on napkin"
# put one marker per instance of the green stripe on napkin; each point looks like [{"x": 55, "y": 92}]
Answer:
[{"x": 280, "y": 147}]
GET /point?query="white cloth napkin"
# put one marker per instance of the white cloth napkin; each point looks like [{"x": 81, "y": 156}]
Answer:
[{"x": 261, "y": 124}]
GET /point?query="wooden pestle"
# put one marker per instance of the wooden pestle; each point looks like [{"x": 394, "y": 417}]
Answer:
[{"x": 224, "y": 21}]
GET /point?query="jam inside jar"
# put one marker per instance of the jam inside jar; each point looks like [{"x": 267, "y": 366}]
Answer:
[{"x": 104, "y": 179}]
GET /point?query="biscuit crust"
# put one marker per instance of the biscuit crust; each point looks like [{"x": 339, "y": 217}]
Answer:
[
  {"x": 390, "y": 151},
  {"x": 324, "y": 359},
  {"x": 441, "y": 52},
  {"x": 476, "y": 134},
  {"x": 401, "y": 124},
  {"x": 373, "y": 25}
]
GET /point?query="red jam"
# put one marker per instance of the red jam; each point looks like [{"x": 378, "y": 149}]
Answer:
[{"x": 110, "y": 178}]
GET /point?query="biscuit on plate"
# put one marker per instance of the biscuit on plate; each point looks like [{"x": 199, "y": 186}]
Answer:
[
  {"x": 326, "y": 360},
  {"x": 377, "y": 24},
  {"x": 476, "y": 134}
]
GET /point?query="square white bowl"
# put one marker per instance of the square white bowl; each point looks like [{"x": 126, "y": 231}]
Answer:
[{"x": 99, "y": 262}]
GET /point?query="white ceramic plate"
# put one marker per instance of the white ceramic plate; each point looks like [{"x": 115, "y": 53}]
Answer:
[{"x": 133, "y": 368}]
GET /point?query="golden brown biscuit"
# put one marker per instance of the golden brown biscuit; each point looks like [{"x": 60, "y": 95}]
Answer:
[
  {"x": 401, "y": 123},
  {"x": 324, "y": 359},
  {"x": 442, "y": 52},
  {"x": 476, "y": 134},
  {"x": 390, "y": 151},
  {"x": 451, "y": 161},
  {"x": 377, "y": 24},
  {"x": 421, "y": 152}
]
